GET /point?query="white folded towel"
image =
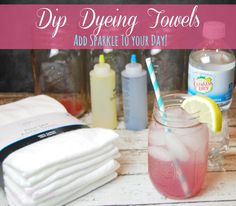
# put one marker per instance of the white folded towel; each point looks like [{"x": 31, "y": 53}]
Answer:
[
  {"x": 58, "y": 169},
  {"x": 30, "y": 160},
  {"x": 77, "y": 185},
  {"x": 66, "y": 198},
  {"x": 63, "y": 176},
  {"x": 29, "y": 107},
  {"x": 51, "y": 174},
  {"x": 62, "y": 154}
]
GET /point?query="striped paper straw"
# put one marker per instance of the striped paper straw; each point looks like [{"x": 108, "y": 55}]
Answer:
[
  {"x": 155, "y": 84},
  {"x": 160, "y": 104}
]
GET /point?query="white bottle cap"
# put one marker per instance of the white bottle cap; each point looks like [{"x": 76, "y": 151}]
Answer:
[
  {"x": 107, "y": 50},
  {"x": 53, "y": 52},
  {"x": 155, "y": 51},
  {"x": 102, "y": 68},
  {"x": 133, "y": 68}
]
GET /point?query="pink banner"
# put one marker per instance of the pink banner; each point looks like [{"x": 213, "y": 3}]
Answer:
[{"x": 117, "y": 26}]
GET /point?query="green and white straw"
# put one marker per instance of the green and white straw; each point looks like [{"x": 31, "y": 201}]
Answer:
[{"x": 160, "y": 104}]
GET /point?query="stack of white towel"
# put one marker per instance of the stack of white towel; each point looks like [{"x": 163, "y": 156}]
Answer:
[{"x": 59, "y": 169}]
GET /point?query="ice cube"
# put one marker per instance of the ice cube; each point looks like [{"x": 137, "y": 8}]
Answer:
[
  {"x": 159, "y": 153},
  {"x": 179, "y": 117},
  {"x": 194, "y": 138},
  {"x": 176, "y": 147}
]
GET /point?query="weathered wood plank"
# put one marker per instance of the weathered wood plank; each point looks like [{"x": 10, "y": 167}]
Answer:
[
  {"x": 132, "y": 140},
  {"x": 232, "y": 133},
  {"x": 138, "y": 140},
  {"x": 11, "y": 97},
  {"x": 232, "y": 116},
  {"x": 135, "y": 161},
  {"x": 233, "y": 105},
  {"x": 137, "y": 189}
]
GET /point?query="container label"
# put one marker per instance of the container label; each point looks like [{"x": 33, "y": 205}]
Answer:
[
  {"x": 203, "y": 84},
  {"x": 217, "y": 84}
]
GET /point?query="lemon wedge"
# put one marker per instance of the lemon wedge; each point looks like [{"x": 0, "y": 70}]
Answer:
[{"x": 205, "y": 109}]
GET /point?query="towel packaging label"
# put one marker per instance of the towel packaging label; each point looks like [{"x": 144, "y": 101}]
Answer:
[{"x": 20, "y": 134}]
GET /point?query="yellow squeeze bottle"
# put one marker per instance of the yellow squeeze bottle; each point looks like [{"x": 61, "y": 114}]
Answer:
[{"x": 103, "y": 95}]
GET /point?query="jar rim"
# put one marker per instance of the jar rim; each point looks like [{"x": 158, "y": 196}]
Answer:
[{"x": 172, "y": 120}]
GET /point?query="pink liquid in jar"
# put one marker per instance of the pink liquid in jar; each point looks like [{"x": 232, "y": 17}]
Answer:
[{"x": 180, "y": 147}]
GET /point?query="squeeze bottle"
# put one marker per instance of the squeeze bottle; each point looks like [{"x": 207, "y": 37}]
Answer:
[
  {"x": 134, "y": 89},
  {"x": 103, "y": 95}
]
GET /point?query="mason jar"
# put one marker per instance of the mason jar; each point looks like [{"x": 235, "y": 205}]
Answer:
[
  {"x": 177, "y": 150},
  {"x": 59, "y": 73}
]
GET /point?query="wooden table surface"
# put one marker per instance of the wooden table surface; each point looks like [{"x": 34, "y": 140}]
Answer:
[{"x": 133, "y": 186}]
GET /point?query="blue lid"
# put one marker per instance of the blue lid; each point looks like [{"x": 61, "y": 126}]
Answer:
[{"x": 133, "y": 58}]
